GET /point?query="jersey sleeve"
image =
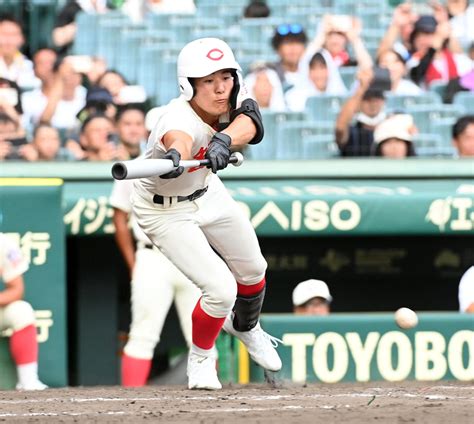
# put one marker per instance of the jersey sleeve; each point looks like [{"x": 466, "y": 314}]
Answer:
[
  {"x": 120, "y": 196},
  {"x": 466, "y": 290},
  {"x": 171, "y": 121},
  {"x": 12, "y": 261}
]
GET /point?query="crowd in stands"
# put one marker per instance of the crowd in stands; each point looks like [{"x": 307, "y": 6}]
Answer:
[{"x": 56, "y": 104}]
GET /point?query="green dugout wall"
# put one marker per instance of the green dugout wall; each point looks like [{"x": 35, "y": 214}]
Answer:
[
  {"x": 31, "y": 213},
  {"x": 381, "y": 233}
]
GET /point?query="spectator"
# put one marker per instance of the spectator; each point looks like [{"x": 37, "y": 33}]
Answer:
[
  {"x": 462, "y": 17},
  {"x": 131, "y": 130},
  {"x": 463, "y": 136},
  {"x": 334, "y": 34},
  {"x": 289, "y": 41},
  {"x": 44, "y": 61},
  {"x": 393, "y": 137},
  {"x": 367, "y": 105},
  {"x": 98, "y": 101},
  {"x": 98, "y": 141},
  {"x": 311, "y": 297},
  {"x": 12, "y": 137},
  {"x": 257, "y": 9},
  {"x": 97, "y": 69},
  {"x": 401, "y": 86},
  {"x": 466, "y": 291},
  {"x": 14, "y": 66},
  {"x": 10, "y": 100},
  {"x": 122, "y": 93},
  {"x": 433, "y": 58},
  {"x": 265, "y": 87},
  {"x": 58, "y": 101},
  {"x": 65, "y": 28},
  {"x": 464, "y": 83},
  {"x": 324, "y": 78},
  {"x": 45, "y": 146},
  {"x": 137, "y": 10},
  {"x": 397, "y": 36},
  {"x": 18, "y": 316}
]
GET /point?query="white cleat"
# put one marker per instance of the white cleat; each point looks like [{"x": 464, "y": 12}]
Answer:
[
  {"x": 260, "y": 345},
  {"x": 33, "y": 385},
  {"x": 202, "y": 373}
]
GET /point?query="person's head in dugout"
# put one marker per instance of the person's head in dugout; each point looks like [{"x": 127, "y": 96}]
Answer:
[{"x": 311, "y": 297}]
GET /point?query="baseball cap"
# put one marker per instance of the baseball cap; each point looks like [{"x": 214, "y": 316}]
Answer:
[
  {"x": 396, "y": 126},
  {"x": 309, "y": 289},
  {"x": 99, "y": 95},
  {"x": 425, "y": 23}
]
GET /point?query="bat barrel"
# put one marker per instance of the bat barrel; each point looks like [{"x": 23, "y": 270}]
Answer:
[{"x": 119, "y": 171}]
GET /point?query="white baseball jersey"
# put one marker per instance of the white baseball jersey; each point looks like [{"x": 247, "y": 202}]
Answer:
[
  {"x": 12, "y": 261},
  {"x": 156, "y": 283},
  {"x": 178, "y": 114},
  {"x": 466, "y": 290},
  {"x": 120, "y": 199}
]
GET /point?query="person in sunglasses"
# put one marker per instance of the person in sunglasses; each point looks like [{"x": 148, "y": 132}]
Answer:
[{"x": 289, "y": 41}]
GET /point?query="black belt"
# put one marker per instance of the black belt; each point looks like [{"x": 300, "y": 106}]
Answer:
[{"x": 196, "y": 195}]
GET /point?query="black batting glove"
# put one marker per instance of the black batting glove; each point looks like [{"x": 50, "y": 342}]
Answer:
[
  {"x": 218, "y": 151},
  {"x": 175, "y": 156}
]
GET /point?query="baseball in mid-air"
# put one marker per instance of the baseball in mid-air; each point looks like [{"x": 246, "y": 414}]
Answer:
[{"x": 406, "y": 318}]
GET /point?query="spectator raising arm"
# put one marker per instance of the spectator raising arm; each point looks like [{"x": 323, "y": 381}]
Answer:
[{"x": 352, "y": 106}]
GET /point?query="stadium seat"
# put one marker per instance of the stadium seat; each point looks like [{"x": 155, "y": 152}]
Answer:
[
  {"x": 465, "y": 99},
  {"x": 305, "y": 140},
  {"x": 348, "y": 75},
  {"x": 425, "y": 115},
  {"x": 400, "y": 103},
  {"x": 324, "y": 108},
  {"x": 431, "y": 145},
  {"x": 272, "y": 122},
  {"x": 85, "y": 42}
]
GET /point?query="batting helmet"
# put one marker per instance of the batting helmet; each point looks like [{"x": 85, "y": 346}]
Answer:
[{"x": 203, "y": 57}]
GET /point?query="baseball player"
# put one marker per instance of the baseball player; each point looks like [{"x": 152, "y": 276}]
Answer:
[
  {"x": 155, "y": 283},
  {"x": 18, "y": 316},
  {"x": 189, "y": 215}
]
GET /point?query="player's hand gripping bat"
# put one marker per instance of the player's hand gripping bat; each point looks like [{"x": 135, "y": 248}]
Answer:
[{"x": 144, "y": 168}]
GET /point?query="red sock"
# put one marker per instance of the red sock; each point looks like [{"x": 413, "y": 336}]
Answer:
[
  {"x": 135, "y": 371},
  {"x": 252, "y": 290},
  {"x": 24, "y": 346},
  {"x": 205, "y": 328}
]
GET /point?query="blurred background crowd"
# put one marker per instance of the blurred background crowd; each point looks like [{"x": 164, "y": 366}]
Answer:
[{"x": 80, "y": 80}]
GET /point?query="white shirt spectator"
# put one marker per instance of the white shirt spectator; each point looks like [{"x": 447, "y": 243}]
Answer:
[
  {"x": 34, "y": 103},
  {"x": 466, "y": 290},
  {"x": 462, "y": 27},
  {"x": 277, "y": 98},
  {"x": 407, "y": 88},
  {"x": 20, "y": 71},
  {"x": 297, "y": 96}
]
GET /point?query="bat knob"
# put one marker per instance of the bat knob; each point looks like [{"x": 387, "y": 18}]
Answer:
[
  {"x": 237, "y": 158},
  {"x": 119, "y": 171}
]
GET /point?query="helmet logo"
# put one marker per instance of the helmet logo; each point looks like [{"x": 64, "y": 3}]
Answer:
[{"x": 215, "y": 54}]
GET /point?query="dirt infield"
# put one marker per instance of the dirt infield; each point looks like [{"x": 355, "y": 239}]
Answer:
[{"x": 355, "y": 403}]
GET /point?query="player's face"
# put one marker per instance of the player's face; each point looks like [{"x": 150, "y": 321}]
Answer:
[
  {"x": 465, "y": 141},
  {"x": 212, "y": 94}
]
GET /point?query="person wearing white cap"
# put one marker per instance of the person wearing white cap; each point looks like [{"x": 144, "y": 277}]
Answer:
[
  {"x": 311, "y": 297},
  {"x": 393, "y": 137}
]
